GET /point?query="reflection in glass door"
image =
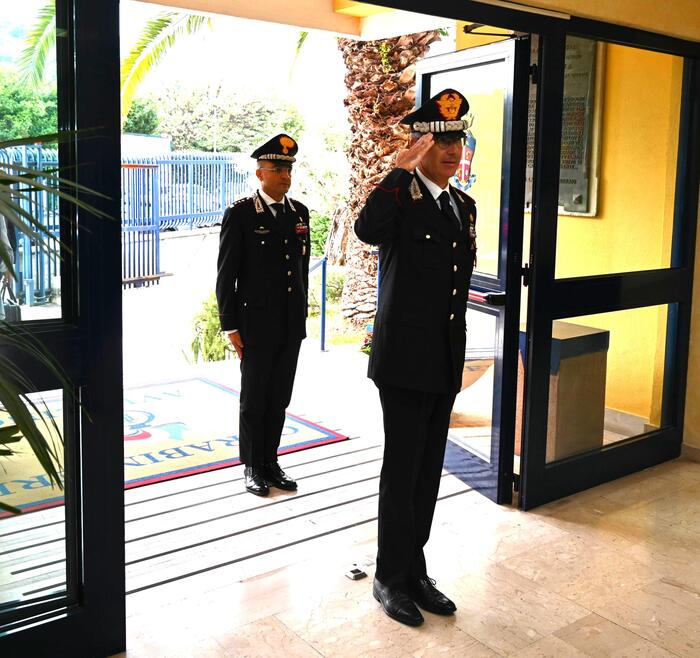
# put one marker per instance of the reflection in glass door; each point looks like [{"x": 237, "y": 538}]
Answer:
[{"x": 494, "y": 78}]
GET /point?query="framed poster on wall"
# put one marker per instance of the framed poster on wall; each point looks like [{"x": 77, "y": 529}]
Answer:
[{"x": 580, "y": 139}]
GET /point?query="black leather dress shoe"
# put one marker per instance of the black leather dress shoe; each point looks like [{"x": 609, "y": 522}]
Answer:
[
  {"x": 428, "y": 597},
  {"x": 254, "y": 481},
  {"x": 276, "y": 477},
  {"x": 397, "y": 604}
]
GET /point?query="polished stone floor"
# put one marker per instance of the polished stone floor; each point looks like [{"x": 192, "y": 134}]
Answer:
[{"x": 612, "y": 571}]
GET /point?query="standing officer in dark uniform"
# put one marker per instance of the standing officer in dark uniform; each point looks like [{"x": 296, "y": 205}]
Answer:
[
  {"x": 425, "y": 229},
  {"x": 261, "y": 289}
]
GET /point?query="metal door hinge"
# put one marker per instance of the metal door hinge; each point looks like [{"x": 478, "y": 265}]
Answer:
[
  {"x": 534, "y": 74},
  {"x": 525, "y": 272},
  {"x": 516, "y": 482}
]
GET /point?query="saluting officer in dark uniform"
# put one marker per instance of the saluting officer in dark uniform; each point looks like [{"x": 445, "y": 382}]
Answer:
[
  {"x": 425, "y": 229},
  {"x": 261, "y": 289}
]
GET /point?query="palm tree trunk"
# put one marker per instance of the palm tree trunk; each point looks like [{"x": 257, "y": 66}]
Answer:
[{"x": 380, "y": 79}]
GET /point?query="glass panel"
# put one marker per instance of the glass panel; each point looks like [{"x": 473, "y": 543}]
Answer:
[
  {"x": 486, "y": 87},
  {"x": 471, "y": 420},
  {"x": 606, "y": 379},
  {"x": 33, "y": 555},
  {"x": 619, "y": 149},
  {"x": 27, "y": 110}
]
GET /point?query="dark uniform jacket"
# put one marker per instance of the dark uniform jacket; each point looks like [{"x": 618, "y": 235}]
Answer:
[
  {"x": 425, "y": 267},
  {"x": 263, "y": 271}
]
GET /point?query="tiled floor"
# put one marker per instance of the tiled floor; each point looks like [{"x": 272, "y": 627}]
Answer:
[{"x": 609, "y": 572}]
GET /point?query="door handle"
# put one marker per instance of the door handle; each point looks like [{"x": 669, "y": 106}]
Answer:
[
  {"x": 496, "y": 298},
  {"x": 490, "y": 298}
]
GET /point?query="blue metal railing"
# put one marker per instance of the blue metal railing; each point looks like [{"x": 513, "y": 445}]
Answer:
[
  {"x": 194, "y": 189},
  {"x": 173, "y": 191},
  {"x": 323, "y": 264},
  {"x": 140, "y": 226},
  {"x": 37, "y": 265}
]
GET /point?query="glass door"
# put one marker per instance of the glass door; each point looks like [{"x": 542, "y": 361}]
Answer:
[
  {"x": 610, "y": 295},
  {"x": 62, "y": 558},
  {"x": 495, "y": 80}
]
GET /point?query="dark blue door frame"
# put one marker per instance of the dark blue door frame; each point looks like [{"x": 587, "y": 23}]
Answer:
[
  {"x": 88, "y": 619},
  {"x": 552, "y": 298}
]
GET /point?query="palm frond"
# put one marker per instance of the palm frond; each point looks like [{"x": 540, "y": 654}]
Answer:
[
  {"x": 17, "y": 187},
  {"x": 51, "y": 138},
  {"x": 158, "y": 36},
  {"x": 9, "y": 508},
  {"x": 14, "y": 213},
  {"x": 16, "y": 403},
  {"x": 39, "y": 43},
  {"x": 297, "y": 50}
]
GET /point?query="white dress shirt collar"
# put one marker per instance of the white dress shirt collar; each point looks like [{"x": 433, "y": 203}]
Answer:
[
  {"x": 434, "y": 189},
  {"x": 269, "y": 201}
]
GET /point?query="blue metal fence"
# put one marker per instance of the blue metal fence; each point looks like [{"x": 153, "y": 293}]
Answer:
[
  {"x": 196, "y": 188},
  {"x": 168, "y": 192},
  {"x": 140, "y": 226},
  {"x": 37, "y": 263}
]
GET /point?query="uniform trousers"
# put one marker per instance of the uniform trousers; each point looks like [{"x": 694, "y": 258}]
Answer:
[
  {"x": 267, "y": 379},
  {"x": 415, "y": 435}
]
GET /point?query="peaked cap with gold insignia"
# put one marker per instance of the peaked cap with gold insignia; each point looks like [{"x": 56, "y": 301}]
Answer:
[
  {"x": 441, "y": 114},
  {"x": 280, "y": 148}
]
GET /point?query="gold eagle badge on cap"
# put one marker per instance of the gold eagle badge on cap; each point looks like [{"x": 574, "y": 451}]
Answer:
[
  {"x": 448, "y": 106},
  {"x": 287, "y": 143}
]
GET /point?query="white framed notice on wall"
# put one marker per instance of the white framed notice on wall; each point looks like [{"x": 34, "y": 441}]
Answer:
[{"x": 581, "y": 128}]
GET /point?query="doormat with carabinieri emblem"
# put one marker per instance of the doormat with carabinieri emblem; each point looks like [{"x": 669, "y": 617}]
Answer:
[{"x": 171, "y": 430}]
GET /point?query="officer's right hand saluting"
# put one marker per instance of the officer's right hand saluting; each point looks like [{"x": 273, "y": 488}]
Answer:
[{"x": 410, "y": 158}]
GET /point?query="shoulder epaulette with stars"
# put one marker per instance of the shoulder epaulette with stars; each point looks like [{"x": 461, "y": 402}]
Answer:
[{"x": 241, "y": 201}]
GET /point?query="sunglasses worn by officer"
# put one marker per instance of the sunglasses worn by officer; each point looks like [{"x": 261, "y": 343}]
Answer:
[
  {"x": 445, "y": 141},
  {"x": 277, "y": 170}
]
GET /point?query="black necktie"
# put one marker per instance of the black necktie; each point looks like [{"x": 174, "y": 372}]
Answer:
[
  {"x": 448, "y": 211},
  {"x": 279, "y": 209}
]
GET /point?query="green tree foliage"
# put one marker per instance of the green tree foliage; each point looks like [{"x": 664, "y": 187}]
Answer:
[
  {"x": 335, "y": 279},
  {"x": 24, "y": 111},
  {"x": 142, "y": 118},
  {"x": 209, "y": 119},
  {"x": 321, "y": 180}
]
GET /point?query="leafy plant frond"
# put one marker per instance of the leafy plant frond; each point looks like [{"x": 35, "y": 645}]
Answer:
[
  {"x": 301, "y": 38},
  {"x": 158, "y": 36},
  {"x": 18, "y": 406},
  {"x": 29, "y": 416},
  {"x": 51, "y": 138},
  {"x": 40, "y": 42},
  {"x": 9, "y": 508}
]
